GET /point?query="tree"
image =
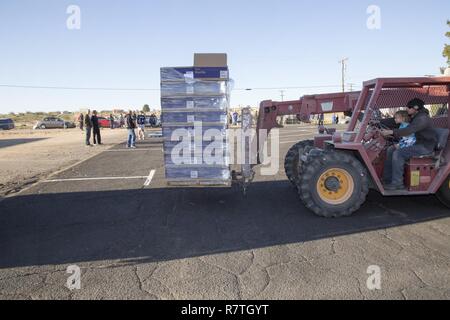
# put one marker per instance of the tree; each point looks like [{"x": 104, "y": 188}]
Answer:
[
  {"x": 446, "y": 52},
  {"x": 146, "y": 108}
]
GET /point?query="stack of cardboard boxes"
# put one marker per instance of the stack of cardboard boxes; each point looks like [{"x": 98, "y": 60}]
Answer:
[{"x": 194, "y": 103}]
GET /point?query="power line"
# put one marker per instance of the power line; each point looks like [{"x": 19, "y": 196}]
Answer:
[
  {"x": 75, "y": 88},
  {"x": 290, "y": 88},
  {"x": 156, "y": 89}
]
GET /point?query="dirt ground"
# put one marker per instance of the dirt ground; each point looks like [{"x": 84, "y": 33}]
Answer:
[{"x": 28, "y": 155}]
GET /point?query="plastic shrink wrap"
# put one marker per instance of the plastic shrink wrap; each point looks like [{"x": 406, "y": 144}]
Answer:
[{"x": 195, "y": 103}]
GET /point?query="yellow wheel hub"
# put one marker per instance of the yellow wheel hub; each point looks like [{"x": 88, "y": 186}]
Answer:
[{"x": 335, "y": 186}]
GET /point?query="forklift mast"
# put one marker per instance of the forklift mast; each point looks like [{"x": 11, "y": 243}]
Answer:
[{"x": 303, "y": 108}]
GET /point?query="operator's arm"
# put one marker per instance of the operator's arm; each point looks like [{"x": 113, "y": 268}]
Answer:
[
  {"x": 389, "y": 123},
  {"x": 417, "y": 125}
]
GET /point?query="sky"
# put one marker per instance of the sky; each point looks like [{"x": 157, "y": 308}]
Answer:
[{"x": 270, "y": 44}]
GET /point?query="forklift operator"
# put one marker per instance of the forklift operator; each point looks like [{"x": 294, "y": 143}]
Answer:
[{"x": 426, "y": 141}]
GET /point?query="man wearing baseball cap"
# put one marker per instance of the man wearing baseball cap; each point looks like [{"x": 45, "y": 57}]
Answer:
[{"x": 426, "y": 141}]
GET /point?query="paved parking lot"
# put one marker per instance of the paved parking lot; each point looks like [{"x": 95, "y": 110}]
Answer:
[{"x": 134, "y": 237}]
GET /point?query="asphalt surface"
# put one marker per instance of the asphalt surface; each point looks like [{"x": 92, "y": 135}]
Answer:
[
  {"x": 13, "y": 142},
  {"x": 134, "y": 237}
]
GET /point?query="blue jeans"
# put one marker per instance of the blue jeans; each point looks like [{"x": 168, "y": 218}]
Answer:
[
  {"x": 131, "y": 138},
  {"x": 394, "y": 167},
  {"x": 88, "y": 135}
]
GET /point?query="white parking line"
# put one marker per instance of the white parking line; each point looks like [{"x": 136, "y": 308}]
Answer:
[
  {"x": 149, "y": 178},
  {"x": 95, "y": 178}
]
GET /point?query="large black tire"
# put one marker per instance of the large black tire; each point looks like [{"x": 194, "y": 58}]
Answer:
[
  {"x": 333, "y": 184},
  {"x": 444, "y": 192},
  {"x": 292, "y": 161}
]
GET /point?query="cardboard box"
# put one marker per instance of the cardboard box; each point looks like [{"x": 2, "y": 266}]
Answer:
[
  {"x": 199, "y": 103},
  {"x": 172, "y": 132},
  {"x": 197, "y": 172},
  {"x": 177, "y": 74},
  {"x": 210, "y": 60},
  {"x": 191, "y": 96},
  {"x": 189, "y": 74},
  {"x": 218, "y": 116},
  {"x": 198, "y": 88},
  {"x": 214, "y": 156}
]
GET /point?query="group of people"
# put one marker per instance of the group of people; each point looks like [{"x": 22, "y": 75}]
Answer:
[
  {"x": 320, "y": 117},
  {"x": 132, "y": 122},
  {"x": 89, "y": 123},
  {"x": 335, "y": 119}
]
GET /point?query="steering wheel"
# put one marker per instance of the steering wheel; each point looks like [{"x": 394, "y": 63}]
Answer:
[
  {"x": 373, "y": 131},
  {"x": 378, "y": 124},
  {"x": 383, "y": 126}
]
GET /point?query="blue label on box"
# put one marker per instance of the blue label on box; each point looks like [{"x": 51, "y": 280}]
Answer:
[
  {"x": 211, "y": 72},
  {"x": 183, "y": 73}
]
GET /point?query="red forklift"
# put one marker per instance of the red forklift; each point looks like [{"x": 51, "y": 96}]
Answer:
[{"x": 334, "y": 172}]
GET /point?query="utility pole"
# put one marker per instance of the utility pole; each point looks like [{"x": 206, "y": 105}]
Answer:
[
  {"x": 351, "y": 86},
  {"x": 282, "y": 99},
  {"x": 343, "y": 62}
]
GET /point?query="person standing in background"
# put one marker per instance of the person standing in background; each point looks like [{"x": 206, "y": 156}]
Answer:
[
  {"x": 235, "y": 118},
  {"x": 88, "y": 127},
  {"x": 141, "y": 126},
  {"x": 111, "y": 121},
  {"x": 131, "y": 125},
  {"x": 122, "y": 121},
  {"x": 81, "y": 120},
  {"x": 321, "y": 118},
  {"x": 153, "y": 120},
  {"x": 96, "y": 128}
]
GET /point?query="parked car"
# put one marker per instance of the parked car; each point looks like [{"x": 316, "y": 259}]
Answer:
[
  {"x": 106, "y": 123},
  {"x": 103, "y": 122},
  {"x": 53, "y": 122},
  {"x": 6, "y": 124}
]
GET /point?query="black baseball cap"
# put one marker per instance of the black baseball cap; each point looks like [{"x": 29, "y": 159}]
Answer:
[{"x": 420, "y": 104}]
